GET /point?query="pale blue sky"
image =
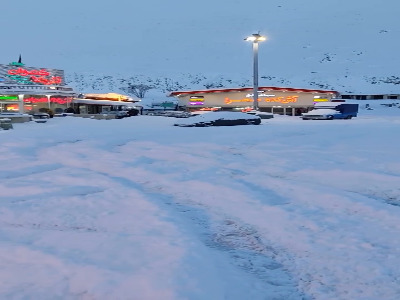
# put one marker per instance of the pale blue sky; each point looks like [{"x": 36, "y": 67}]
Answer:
[{"x": 160, "y": 37}]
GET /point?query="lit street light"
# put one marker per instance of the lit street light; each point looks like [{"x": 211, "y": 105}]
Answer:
[{"x": 255, "y": 38}]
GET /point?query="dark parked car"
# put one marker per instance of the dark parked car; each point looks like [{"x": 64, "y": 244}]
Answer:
[
  {"x": 172, "y": 113},
  {"x": 132, "y": 112},
  {"x": 220, "y": 118},
  {"x": 119, "y": 114},
  {"x": 40, "y": 117}
]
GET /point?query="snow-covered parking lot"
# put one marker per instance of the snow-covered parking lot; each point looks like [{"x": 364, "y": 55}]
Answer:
[{"x": 140, "y": 209}]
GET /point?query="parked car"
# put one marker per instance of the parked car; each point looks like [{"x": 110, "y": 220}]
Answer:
[
  {"x": 331, "y": 110},
  {"x": 5, "y": 123},
  {"x": 119, "y": 114},
  {"x": 132, "y": 112},
  {"x": 261, "y": 114},
  {"x": 48, "y": 111},
  {"x": 220, "y": 118},
  {"x": 175, "y": 114},
  {"x": 40, "y": 117}
]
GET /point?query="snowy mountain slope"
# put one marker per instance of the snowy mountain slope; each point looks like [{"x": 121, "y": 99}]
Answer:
[{"x": 343, "y": 45}]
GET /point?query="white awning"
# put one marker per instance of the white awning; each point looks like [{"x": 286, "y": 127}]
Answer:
[{"x": 102, "y": 102}]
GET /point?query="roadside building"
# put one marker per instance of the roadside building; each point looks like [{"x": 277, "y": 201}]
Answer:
[
  {"x": 99, "y": 103},
  {"x": 277, "y": 100},
  {"x": 30, "y": 89}
]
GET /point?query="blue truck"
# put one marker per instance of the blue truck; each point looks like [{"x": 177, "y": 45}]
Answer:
[{"x": 331, "y": 110}]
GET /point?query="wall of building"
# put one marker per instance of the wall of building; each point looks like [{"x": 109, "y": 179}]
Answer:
[
  {"x": 30, "y": 103},
  {"x": 30, "y": 89},
  {"x": 284, "y": 102}
]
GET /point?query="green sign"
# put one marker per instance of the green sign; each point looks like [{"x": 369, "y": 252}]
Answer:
[
  {"x": 9, "y": 98},
  {"x": 20, "y": 79}
]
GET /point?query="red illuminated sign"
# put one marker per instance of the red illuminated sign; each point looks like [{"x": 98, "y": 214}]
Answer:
[
  {"x": 37, "y": 76},
  {"x": 47, "y": 81},
  {"x": 45, "y": 100},
  {"x": 24, "y": 72}
]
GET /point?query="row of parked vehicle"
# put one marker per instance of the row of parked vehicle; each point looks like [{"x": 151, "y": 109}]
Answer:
[
  {"x": 171, "y": 113},
  {"x": 120, "y": 114},
  {"x": 214, "y": 118}
]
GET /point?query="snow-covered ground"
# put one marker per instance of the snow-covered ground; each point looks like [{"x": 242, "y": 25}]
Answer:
[{"x": 140, "y": 209}]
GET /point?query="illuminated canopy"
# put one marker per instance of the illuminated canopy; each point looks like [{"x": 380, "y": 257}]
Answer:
[
  {"x": 100, "y": 102},
  {"x": 109, "y": 96}
]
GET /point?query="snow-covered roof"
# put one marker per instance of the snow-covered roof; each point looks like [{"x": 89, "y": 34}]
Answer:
[
  {"x": 102, "y": 102},
  {"x": 110, "y": 96},
  {"x": 327, "y": 104},
  {"x": 322, "y": 111}
]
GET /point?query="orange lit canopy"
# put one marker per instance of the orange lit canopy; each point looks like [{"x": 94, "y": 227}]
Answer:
[{"x": 108, "y": 96}]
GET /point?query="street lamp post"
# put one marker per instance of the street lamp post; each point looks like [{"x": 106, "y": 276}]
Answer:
[
  {"x": 48, "y": 100},
  {"x": 255, "y": 38}
]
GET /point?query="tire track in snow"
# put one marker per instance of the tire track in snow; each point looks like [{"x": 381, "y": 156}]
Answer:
[
  {"x": 316, "y": 276},
  {"x": 246, "y": 251},
  {"x": 325, "y": 221},
  {"x": 240, "y": 243},
  {"x": 320, "y": 225}
]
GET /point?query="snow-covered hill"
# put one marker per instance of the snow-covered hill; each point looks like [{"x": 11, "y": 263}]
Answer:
[{"x": 349, "y": 46}]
